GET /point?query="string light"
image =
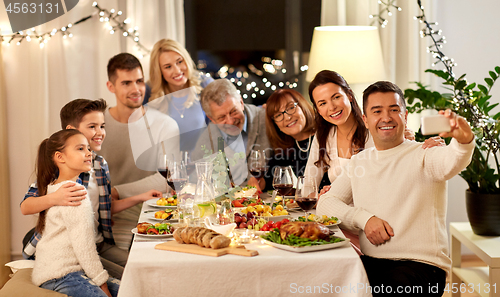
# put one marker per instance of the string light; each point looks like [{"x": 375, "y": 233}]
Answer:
[
  {"x": 385, "y": 8},
  {"x": 112, "y": 16},
  {"x": 261, "y": 84},
  {"x": 103, "y": 16},
  {"x": 478, "y": 119}
]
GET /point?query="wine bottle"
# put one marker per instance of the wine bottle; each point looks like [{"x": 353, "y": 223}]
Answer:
[{"x": 220, "y": 144}]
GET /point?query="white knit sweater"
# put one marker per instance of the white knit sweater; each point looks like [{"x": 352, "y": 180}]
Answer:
[
  {"x": 405, "y": 186},
  {"x": 68, "y": 244}
]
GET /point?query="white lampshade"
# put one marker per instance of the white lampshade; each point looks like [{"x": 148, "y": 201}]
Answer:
[{"x": 352, "y": 51}]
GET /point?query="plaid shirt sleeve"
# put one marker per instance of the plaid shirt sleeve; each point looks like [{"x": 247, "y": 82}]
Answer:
[
  {"x": 30, "y": 248},
  {"x": 104, "y": 184}
]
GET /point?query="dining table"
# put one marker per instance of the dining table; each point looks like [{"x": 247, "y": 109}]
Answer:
[{"x": 273, "y": 272}]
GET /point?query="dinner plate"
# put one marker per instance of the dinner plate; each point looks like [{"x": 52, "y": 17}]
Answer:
[
  {"x": 305, "y": 249},
  {"x": 274, "y": 218},
  {"x": 259, "y": 233},
  {"x": 333, "y": 225},
  {"x": 172, "y": 221},
  {"x": 151, "y": 235},
  {"x": 152, "y": 202}
]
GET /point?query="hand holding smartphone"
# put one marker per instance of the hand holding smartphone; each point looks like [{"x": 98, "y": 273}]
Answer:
[{"x": 435, "y": 124}]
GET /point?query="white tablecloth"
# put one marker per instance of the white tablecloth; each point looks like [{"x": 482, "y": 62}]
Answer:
[{"x": 274, "y": 272}]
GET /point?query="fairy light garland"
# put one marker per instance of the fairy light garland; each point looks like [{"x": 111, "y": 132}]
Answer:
[
  {"x": 42, "y": 38},
  {"x": 111, "y": 17},
  {"x": 263, "y": 83},
  {"x": 461, "y": 99},
  {"x": 385, "y": 9}
]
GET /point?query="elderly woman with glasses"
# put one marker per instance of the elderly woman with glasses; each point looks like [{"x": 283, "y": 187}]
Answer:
[{"x": 290, "y": 128}]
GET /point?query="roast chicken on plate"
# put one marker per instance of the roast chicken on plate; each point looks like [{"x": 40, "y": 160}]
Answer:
[{"x": 311, "y": 230}]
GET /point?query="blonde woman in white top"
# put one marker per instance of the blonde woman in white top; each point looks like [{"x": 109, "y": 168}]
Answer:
[{"x": 175, "y": 89}]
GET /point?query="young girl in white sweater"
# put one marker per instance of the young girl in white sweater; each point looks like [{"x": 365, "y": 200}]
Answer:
[{"x": 66, "y": 257}]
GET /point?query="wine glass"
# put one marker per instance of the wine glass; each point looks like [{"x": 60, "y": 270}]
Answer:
[
  {"x": 257, "y": 163},
  {"x": 178, "y": 177},
  {"x": 190, "y": 167},
  {"x": 306, "y": 194},
  {"x": 163, "y": 166},
  {"x": 282, "y": 181}
]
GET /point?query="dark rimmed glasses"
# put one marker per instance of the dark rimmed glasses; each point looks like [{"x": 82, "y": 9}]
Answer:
[{"x": 280, "y": 115}]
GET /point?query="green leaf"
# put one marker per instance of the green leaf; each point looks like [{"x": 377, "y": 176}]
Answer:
[
  {"x": 477, "y": 93},
  {"x": 493, "y": 75},
  {"x": 444, "y": 75},
  {"x": 489, "y": 81},
  {"x": 471, "y": 86},
  {"x": 487, "y": 109},
  {"x": 483, "y": 88},
  {"x": 481, "y": 102},
  {"x": 460, "y": 85},
  {"x": 497, "y": 69}
]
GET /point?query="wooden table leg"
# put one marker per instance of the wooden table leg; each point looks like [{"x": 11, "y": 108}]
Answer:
[
  {"x": 456, "y": 261},
  {"x": 494, "y": 280}
]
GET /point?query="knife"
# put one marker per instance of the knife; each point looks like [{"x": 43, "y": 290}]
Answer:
[{"x": 167, "y": 218}]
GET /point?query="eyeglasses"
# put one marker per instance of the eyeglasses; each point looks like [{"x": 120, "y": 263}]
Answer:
[{"x": 279, "y": 116}]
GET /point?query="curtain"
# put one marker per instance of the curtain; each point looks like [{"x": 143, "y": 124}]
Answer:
[
  {"x": 404, "y": 52},
  {"x": 405, "y": 55},
  {"x": 40, "y": 81},
  {"x": 4, "y": 184}
]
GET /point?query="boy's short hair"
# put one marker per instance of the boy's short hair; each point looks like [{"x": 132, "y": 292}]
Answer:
[
  {"x": 123, "y": 61},
  {"x": 73, "y": 112}
]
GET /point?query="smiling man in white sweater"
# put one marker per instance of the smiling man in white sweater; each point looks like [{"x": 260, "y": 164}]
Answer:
[{"x": 399, "y": 196}]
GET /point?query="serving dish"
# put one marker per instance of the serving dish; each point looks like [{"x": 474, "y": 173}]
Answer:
[
  {"x": 305, "y": 249},
  {"x": 151, "y": 235}
]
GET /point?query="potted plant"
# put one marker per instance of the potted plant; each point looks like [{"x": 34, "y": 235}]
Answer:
[{"x": 472, "y": 101}]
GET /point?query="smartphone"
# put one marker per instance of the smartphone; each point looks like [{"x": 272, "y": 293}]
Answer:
[{"x": 435, "y": 124}]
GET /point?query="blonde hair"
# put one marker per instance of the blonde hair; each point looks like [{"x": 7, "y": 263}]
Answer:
[{"x": 159, "y": 86}]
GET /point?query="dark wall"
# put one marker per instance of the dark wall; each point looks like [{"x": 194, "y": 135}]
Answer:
[{"x": 244, "y": 25}]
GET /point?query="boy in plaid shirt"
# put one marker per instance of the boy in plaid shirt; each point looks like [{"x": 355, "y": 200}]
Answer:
[{"x": 87, "y": 116}]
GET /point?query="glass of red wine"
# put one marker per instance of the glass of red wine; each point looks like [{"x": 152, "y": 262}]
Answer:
[
  {"x": 257, "y": 163},
  {"x": 306, "y": 195},
  {"x": 163, "y": 166},
  {"x": 282, "y": 181},
  {"x": 178, "y": 176}
]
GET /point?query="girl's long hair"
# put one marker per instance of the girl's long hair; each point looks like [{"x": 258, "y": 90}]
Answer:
[
  {"x": 159, "y": 86},
  {"x": 323, "y": 127},
  {"x": 46, "y": 169},
  {"x": 277, "y": 139}
]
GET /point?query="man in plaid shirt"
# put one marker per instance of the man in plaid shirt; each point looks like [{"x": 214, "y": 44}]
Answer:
[{"x": 88, "y": 117}]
